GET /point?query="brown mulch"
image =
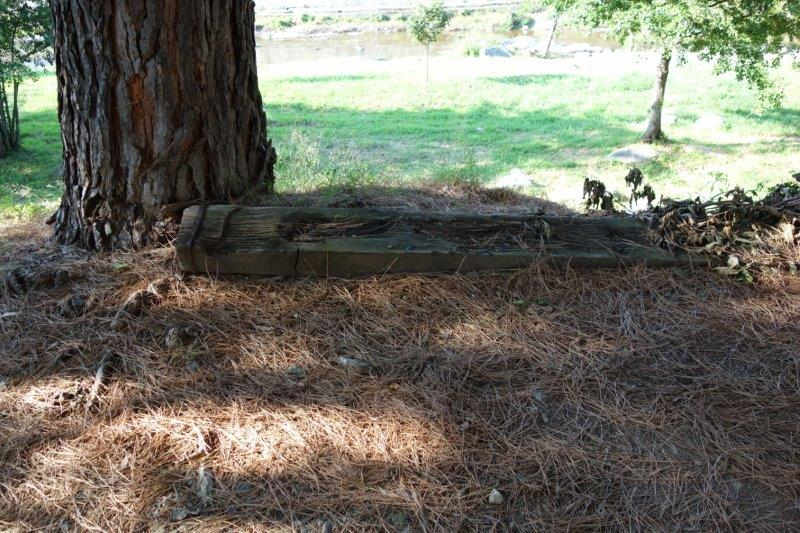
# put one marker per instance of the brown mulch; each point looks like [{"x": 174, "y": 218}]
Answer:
[{"x": 629, "y": 399}]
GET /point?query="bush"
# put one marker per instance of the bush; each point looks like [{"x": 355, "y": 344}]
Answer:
[
  {"x": 384, "y": 18},
  {"x": 472, "y": 51},
  {"x": 306, "y": 18},
  {"x": 468, "y": 12},
  {"x": 286, "y": 23},
  {"x": 518, "y": 21}
]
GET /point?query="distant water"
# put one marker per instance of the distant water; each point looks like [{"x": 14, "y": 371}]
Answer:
[
  {"x": 383, "y": 46},
  {"x": 276, "y": 6}
]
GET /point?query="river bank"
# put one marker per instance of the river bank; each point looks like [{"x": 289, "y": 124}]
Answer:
[
  {"x": 362, "y": 7},
  {"x": 386, "y": 38}
]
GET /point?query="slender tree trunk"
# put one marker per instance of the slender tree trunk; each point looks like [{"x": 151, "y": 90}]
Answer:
[
  {"x": 552, "y": 35},
  {"x": 159, "y": 104},
  {"x": 427, "y": 63},
  {"x": 654, "y": 132},
  {"x": 5, "y": 121},
  {"x": 15, "y": 115}
]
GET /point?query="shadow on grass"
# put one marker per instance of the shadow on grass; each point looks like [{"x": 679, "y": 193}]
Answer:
[
  {"x": 416, "y": 144},
  {"x": 537, "y": 79},
  {"x": 787, "y": 118},
  {"x": 332, "y": 79},
  {"x": 30, "y": 176}
]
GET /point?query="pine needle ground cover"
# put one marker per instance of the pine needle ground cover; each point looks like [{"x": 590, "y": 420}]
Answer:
[{"x": 135, "y": 399}]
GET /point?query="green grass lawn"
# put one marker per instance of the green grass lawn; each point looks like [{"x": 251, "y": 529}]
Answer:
[
  {"x": 29, "y": 178},
  {"x": 557, "y": 128},
  {"x": 387, "y": 128}
]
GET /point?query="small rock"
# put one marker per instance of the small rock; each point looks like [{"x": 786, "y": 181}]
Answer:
[
  {"x": 73, "y": 306},
  {"x": 158, "y": 286},
  {"x": 538, "y": 395},
  {"x": 21, "y": 280},
  {"x": 60, "y": 278},
  {"x": 297, "y": 372},
  {"x": 178, "y": 514},
  {"x": 398, "y": 520},
  {"x": 205, "y": 485},
  {"x": 138, "y": 301},
  {"x": 15, "y": 282},
  {"x": 495, "y": 497},
  {"x": 353, "y": 364},
  {"x": 175, "y": 338},
  {"x": 243, "y": 487}
]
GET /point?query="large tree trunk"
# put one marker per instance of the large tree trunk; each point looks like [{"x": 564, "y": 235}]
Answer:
[
  {"x": 159, "y": 104},
  {"x": 654, "y": 132}
]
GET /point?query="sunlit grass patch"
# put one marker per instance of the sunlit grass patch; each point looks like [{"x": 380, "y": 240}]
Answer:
[{"x": 387, "y": 128}]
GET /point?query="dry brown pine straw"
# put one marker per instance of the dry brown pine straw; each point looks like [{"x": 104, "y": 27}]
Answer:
[{"x": 633, "y": 399}]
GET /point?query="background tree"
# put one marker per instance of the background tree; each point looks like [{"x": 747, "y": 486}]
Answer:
[
  {"x": 25, "y": 42},
  {"x": 559, "y": 7},
  {"x": 743, "y": 36},
  {"x": 427, "y": 25},
  {"x": 159, "y": 105}
]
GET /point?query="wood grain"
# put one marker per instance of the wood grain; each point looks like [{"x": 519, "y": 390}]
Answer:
[{"x": 279, "y": 241}]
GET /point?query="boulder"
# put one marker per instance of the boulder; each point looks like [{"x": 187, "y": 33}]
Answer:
[
  {"x": 634, "y": 154},
  {"x": 497, "y": 51}
]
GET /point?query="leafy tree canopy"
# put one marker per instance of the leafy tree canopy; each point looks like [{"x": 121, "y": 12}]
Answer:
[
  {"x": 744, "y": 36},
  {"x": 25, "y": 37},
  {"x": 25, "y": 43},
  {"x": 429, "y": 22}
]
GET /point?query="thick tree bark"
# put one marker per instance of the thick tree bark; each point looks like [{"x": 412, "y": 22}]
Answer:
[
  {"x": 159, "y": 104},
  {"x": 654, "y": 132}
]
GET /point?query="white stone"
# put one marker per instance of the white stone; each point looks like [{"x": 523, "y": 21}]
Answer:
[
  {"x": 710, "y": 121},
  {"x": 496, "y": 498},
  {"x": 515, "y": 179},
  {"x": 633, "y": 154}
]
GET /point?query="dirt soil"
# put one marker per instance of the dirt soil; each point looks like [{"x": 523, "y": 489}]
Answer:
[{"x": 133, "y": 398}]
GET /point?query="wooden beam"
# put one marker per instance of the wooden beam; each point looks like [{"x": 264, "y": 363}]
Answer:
[{"x": 285, "y": 241}]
